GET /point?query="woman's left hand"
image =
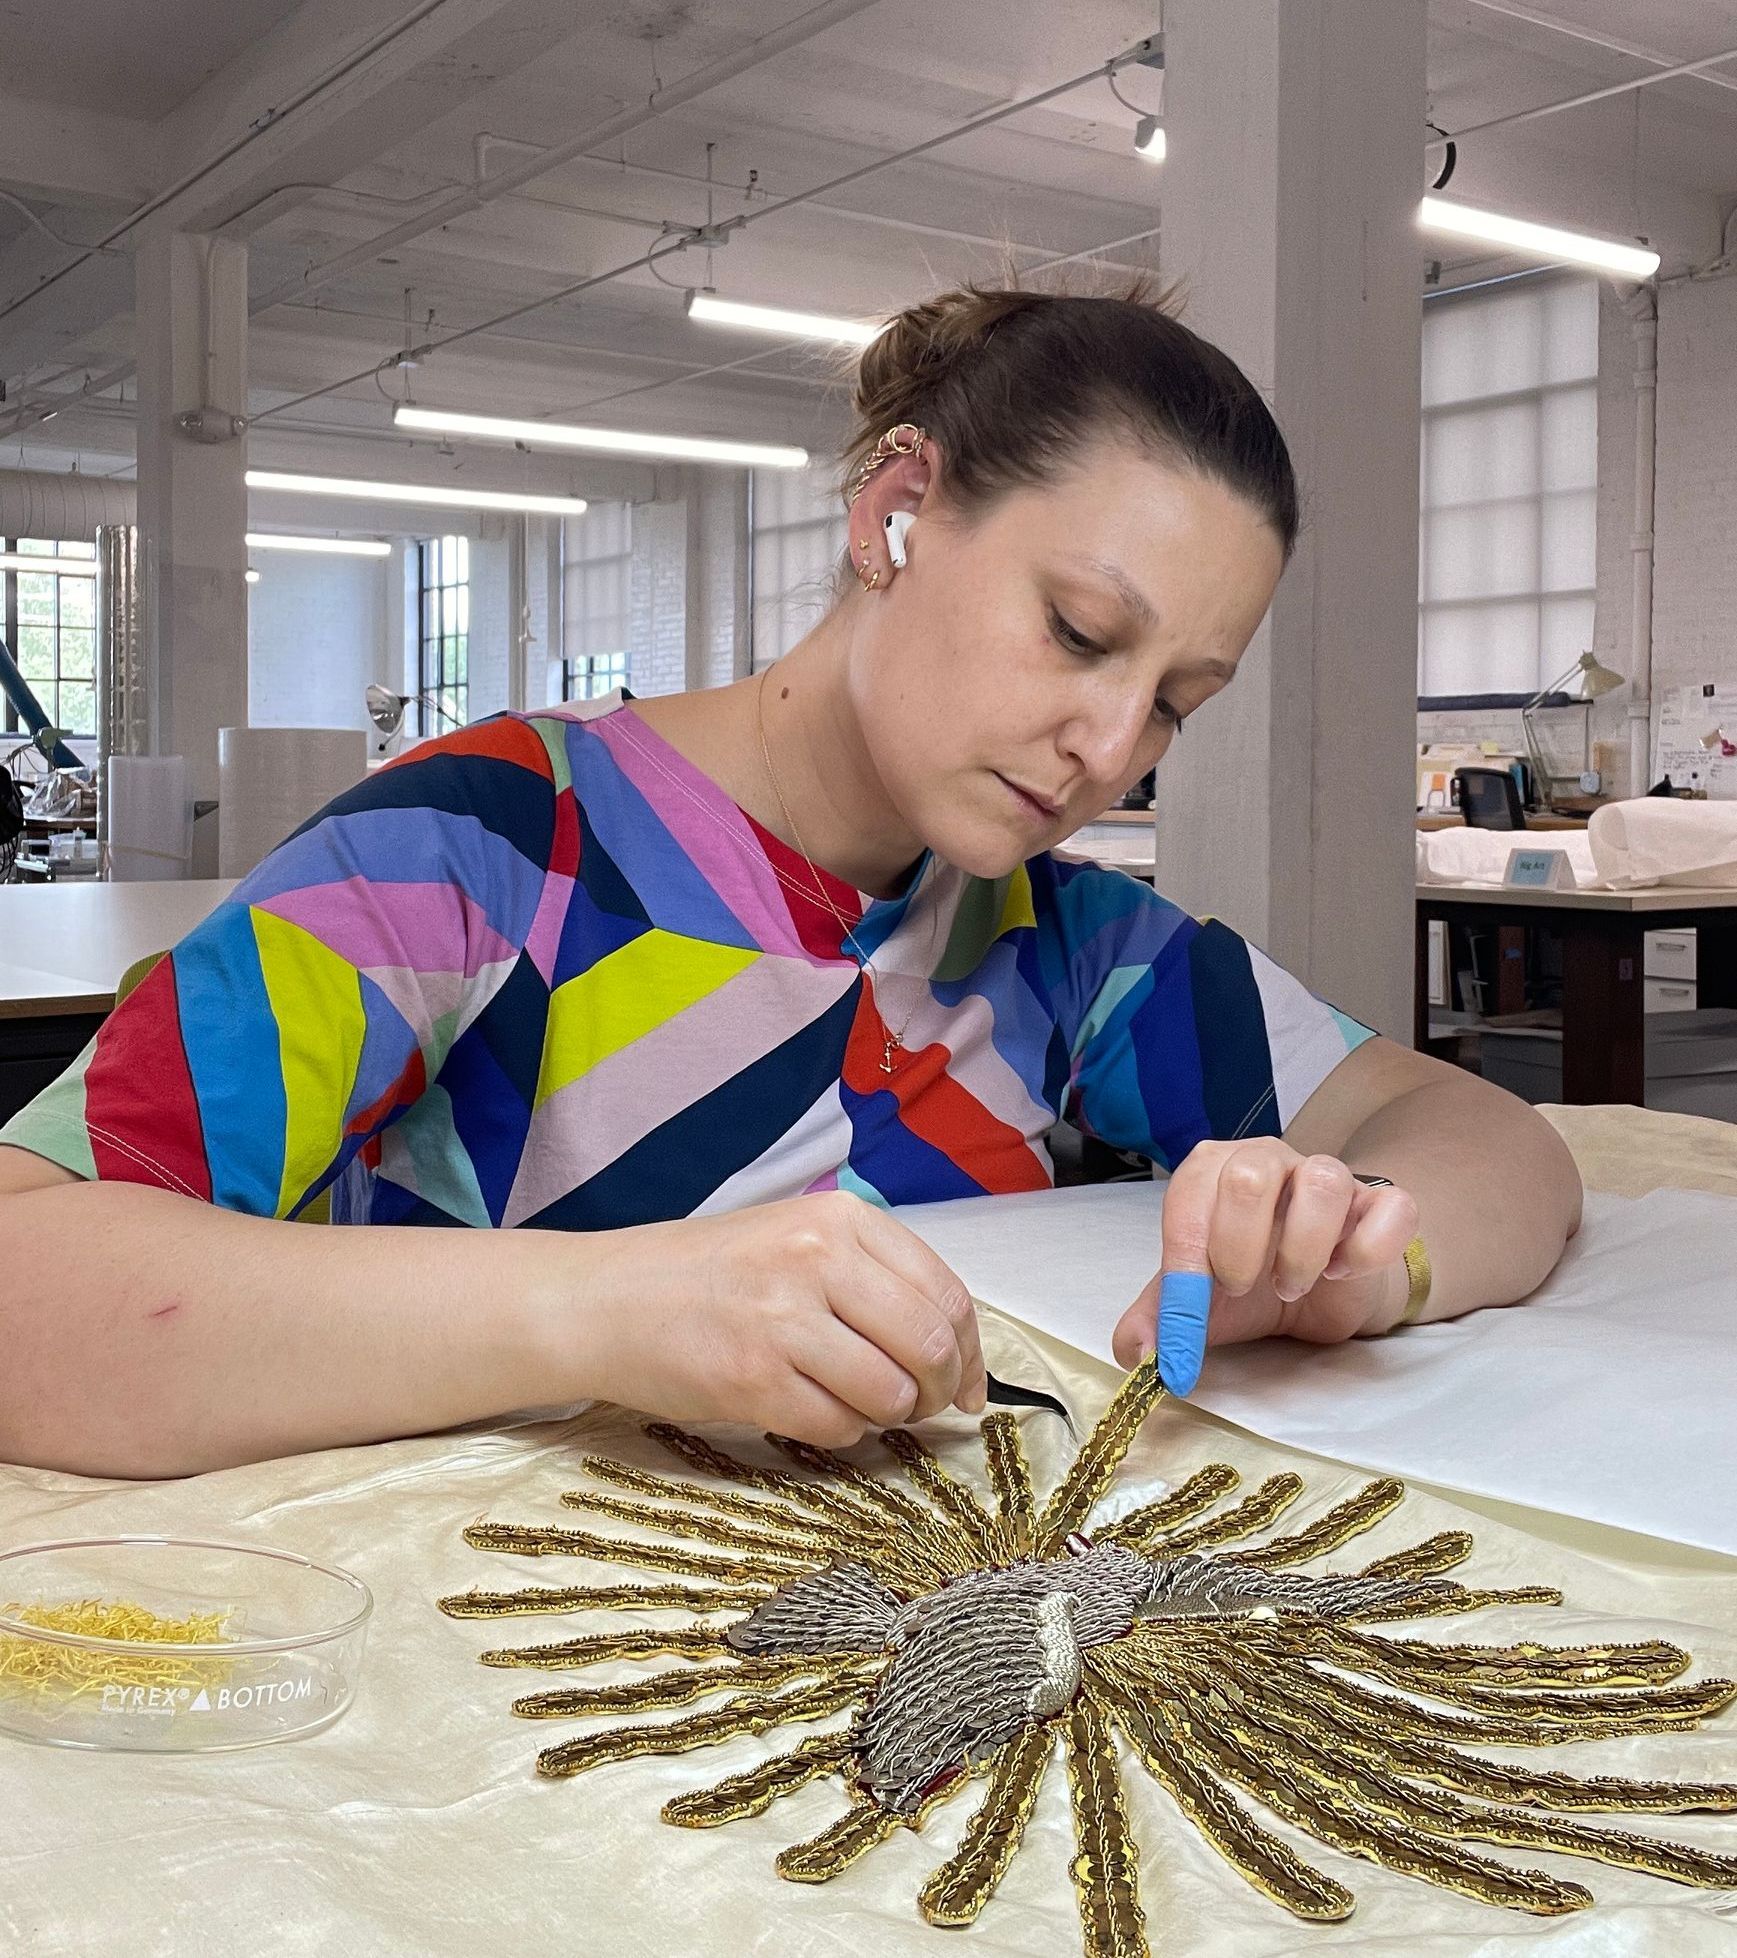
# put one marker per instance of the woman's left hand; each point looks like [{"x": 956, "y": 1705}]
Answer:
[{"x": 1294, "y": 1245}]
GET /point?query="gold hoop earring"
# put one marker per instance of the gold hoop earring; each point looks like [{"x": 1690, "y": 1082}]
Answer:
[{"x": 868, "y": 584}]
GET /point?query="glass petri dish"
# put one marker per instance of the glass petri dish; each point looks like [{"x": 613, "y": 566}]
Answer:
[{"x": 243, "y": 1645}]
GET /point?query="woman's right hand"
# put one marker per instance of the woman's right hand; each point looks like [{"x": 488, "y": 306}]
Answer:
[{"x": 819, "y": 1317}]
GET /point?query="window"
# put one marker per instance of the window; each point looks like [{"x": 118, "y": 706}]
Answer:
[
  {"x": 1508, "y": 492},
  {"x": 443, "y": 633},
  {"x": 799, "y": 534},
  {"x": 49, "y": 621},
  {"x": 596, "y": 600}
]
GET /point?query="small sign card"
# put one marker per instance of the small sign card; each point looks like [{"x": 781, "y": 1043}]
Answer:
[{"x": 1533, "y": 869}]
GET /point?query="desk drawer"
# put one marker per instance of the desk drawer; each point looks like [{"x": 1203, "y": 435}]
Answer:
[
  {"x": 1670, "y": 995},
  {"x": 1670, "y": 954}
]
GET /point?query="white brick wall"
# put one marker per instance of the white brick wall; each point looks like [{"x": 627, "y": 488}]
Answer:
[
  {"x": 1695, "y": 519},
  {"x": 317, "y": 634}
]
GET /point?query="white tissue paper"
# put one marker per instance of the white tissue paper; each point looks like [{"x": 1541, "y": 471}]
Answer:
[
  {"x": 1480, "y": 856},
  {"x": 1607, "y": 1396}
]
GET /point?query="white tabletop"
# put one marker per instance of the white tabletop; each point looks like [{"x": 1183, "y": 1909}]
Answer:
[
  {"x": 1656, "y": 897},
  {"x": 63, "y": 947}
]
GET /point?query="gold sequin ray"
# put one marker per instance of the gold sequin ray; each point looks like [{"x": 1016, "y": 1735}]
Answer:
[
  {"x": 546, "y": 1541},
  {"x": 1566, "y": 1667},
  {"x": 682, "y": 1685},
  {"x": 1300, "y": 1703},
  {"x": 962, "y": 1885},
  {"x": 1291, "y": 1739},
  {"x": 834, "y": 1505},
  {"x": 1010, "y": 1479},
  {"x": 1344, "y": 1824},
  {"x": 1447, "y": 1550},
  {"x": 750, "y": 1713},
  {"x": 755, "y": 1789},
  {"x": 1257, "y": 1511},
  {"x": 1340, "y": 1524},
  {"x": 1269, "y": 1864},
  {"x": 1100, "y": 1456},
  {"x": 1106, "y": 1863},
  {"x": 673, "y": 1641},
  {"x": 1448, "y": 1603},
  {"x": 934, "y": 1533},
  {"x": 854, "y": 1834},
  {"x": 724, "y": 1531},
  {"x": 1411, "y": 1719},
  {"x": 603, "y": 1597},
  {"x": 1529, "y": 1787},
  {"x": 773, "y": 1513},
  {"x": 1141, "y": 1526},
  {"x": 948, "y": 1493}
]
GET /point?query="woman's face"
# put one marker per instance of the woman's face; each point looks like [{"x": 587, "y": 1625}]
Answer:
[{"x": 1029, "y": 665}]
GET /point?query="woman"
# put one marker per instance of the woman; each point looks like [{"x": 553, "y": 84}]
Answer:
[{"x": 674, "y": 989}]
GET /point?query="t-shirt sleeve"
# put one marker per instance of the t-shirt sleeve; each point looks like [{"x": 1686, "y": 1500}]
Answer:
[
  {"x": 317, "y": 1003},
  {"x": 1180, "y": 1031}
]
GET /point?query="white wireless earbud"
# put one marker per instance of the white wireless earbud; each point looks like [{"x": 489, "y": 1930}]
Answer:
[{"x": 897, "y": 527}]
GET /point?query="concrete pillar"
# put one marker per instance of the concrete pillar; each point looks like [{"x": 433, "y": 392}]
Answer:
[
  {"x": 1295, "y": 162},
  {"x": 192, "y": 354}
]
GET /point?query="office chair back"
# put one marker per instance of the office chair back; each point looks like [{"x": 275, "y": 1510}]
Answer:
[{"x": 1490, "y": 798}]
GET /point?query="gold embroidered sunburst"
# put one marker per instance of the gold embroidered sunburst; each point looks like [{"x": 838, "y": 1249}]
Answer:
[{"x": 963, "y": 1637}]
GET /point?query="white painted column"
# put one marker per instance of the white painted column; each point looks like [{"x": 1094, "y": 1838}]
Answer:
[
  {"x": 192, "y": 352},
  {"x": 1290, "y": 189}
]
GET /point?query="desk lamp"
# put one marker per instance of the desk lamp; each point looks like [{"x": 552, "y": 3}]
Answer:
[
  {"x": 386, "y": 708},
  {"x": 1595, "y": 680}
]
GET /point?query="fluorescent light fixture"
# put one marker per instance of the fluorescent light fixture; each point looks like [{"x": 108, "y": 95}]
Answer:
[
  {"x": 603, "y": 441},
  {"x": 271, "y": 540},
  {"x": 1573, "y": 247},
  {"x": 438, "y": 497},
  {"x": 64, "y": 567},
  {"x": 1149, "y": 139},
  {"x": 781, "y": 320},
  {"x": 252, "y": 577}
]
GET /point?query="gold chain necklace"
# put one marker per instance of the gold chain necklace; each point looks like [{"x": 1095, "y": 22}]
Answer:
[{"x": 891, "y": 1041}]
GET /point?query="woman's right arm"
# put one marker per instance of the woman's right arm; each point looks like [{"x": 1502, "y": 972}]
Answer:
[{"x": 148, "y": 1334}]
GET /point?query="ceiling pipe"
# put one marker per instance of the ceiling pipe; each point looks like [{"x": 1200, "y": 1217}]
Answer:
[
  {"x": 815, "y": 21},
  {"x": 1555, "y": 24},
  {"x": 268, "y": 120},
  {"x": 1596, "y": 95},
  {"x": 804, "y": 28},
  {"x": 718, "y": 233}
]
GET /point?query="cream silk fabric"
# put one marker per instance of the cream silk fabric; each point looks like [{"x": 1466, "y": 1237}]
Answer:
[{"x": 415, "y": 1826}]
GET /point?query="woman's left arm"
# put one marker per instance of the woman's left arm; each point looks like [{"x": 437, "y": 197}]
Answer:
[
  {"x": 1497, "y": 1192},
  {"x": 1297, "y": 1247}
]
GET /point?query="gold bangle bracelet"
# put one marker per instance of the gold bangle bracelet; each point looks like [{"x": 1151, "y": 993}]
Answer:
[{"x": 1417, "y": 1269}]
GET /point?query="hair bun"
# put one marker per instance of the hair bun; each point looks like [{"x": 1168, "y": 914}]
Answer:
[{"x": 917, "y": 347}]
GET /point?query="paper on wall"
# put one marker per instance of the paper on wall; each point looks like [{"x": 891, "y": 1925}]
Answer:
[{"x": 1697, "y": 739}]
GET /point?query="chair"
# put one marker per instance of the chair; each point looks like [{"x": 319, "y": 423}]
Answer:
[{"x": 1490, "y": 798}]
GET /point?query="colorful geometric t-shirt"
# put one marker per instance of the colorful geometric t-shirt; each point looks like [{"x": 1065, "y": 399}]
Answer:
[{"x": 545, "y": 972}]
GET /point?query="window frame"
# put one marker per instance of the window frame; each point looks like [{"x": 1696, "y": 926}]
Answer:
[
  {"x": 48, "y": 691},
  {"x": 447, "y": 680},
  {"x": 1534, "y": 503}
]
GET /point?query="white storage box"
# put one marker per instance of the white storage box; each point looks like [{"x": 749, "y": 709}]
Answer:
[
  {"x": 1691, "y": 1062},
  {"x": 1670, "y": 954}
]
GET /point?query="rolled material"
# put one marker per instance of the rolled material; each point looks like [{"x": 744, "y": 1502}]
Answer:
[
  {"x": 270, "y": 780},
  {"x": 1660, "y": 840},
  {"x": 150, "y": 819}
]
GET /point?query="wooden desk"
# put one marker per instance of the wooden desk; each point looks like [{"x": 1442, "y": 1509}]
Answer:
[
  {"x": 1539, "y": 819},
  {"x": 63, "y": 948},
  {"x": 1603, "y": 1004}
]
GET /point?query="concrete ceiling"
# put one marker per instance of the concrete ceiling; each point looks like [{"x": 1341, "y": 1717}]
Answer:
[{"x": 312, "y": 129}]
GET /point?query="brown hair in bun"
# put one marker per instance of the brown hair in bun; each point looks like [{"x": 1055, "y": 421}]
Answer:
[{"x": 1013, "y": 385}]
